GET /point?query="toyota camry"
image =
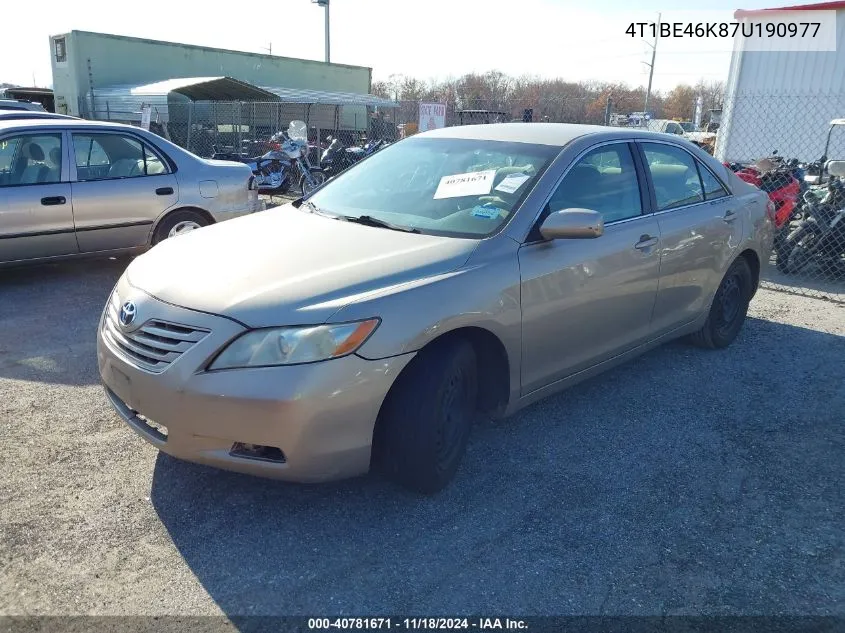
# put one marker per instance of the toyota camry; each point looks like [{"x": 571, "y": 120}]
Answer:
[{"x": 462, "y": 272}]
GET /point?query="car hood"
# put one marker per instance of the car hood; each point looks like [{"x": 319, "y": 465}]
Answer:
[{"x": 288, "y": 267}]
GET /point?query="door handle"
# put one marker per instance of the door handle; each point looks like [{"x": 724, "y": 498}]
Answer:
[
  {"x": 646, "y": 241},
  {"x": 164, "y": 191},
  {"x": 50, "y": 201},
  {"x": 729, "y": 216}
]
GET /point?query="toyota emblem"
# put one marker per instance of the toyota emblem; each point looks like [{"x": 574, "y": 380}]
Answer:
[{"x": 127, "y": 314}]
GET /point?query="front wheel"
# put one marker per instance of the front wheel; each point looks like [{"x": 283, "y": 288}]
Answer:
[
  {"x": 730, "y": 306},
  {"x": 318, "y": 177},
  {"x": 424, "y": 425}
]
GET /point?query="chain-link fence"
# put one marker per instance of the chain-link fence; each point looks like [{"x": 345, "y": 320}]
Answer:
[
  {"x": 247, "y": 129},
  {"x": 793, "y": 148},
  {"x": 783, "y": 144}
]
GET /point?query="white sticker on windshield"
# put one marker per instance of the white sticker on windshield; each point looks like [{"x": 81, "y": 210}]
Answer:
[
  {"x": 512, "y": 182},
  {"x": 474, "y": 183}
]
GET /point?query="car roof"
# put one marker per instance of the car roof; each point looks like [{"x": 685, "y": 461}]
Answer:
[
  {"x": 11, "y": 115},
  {"x": 37, "y": 123},
  {"x": 556, "y": 134}
]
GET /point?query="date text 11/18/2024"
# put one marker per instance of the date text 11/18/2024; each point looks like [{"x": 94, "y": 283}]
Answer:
[{"x": 416, "y": 624}]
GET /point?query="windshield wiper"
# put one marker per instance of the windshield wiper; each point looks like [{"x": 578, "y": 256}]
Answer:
[
  {"x": 368, "y": 220},
  {"x": 317, "y": 210}
]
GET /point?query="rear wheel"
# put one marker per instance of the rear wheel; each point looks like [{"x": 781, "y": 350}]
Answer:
[
  {"x": 179, "y": 223},
  {"x": 794, "y": 253},
  {"x": 730, "y": 306},
  {"x": 424, "y": 425}
]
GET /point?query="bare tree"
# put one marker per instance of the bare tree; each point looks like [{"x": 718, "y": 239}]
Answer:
[{"x": 680, "y": 102}]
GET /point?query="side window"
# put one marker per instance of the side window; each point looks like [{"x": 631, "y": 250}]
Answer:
[
  {"x": 153, "y": 163},
  {"x": 674, "y": 174},
  {"x": 90, "y": 156},
  {"x": 712, "y": 187},
  {"x": 605, "y": 180},
  {"x": 112, "y": 156},
  {"x": 31, "y": 159}
]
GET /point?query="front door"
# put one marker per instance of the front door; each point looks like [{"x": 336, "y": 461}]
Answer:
[
  {"x": 587, "y": 300},
  {"x": 36, "y": 217},
  {"x": 121, "y": 187},
  {"x": 700, "y": 227}
]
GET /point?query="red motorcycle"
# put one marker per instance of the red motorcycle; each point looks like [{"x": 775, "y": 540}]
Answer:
[{"x": 783, "y": 181}]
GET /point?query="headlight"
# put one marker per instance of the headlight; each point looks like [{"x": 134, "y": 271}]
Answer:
[{"x": 293, "y": 345}]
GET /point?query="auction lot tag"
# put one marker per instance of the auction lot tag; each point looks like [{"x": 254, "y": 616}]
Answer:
[
  {"x": 512, "y": 182},
  {"x": 473, "y": 183}
]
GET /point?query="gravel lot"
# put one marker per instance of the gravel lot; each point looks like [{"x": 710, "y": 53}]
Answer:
[{"x": 687, "y": 482}]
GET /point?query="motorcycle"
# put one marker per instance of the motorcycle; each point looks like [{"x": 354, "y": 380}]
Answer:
[
  {"x": 784, "y": 182},
  {"x": 336, "y": 158},
  {"x": 820, "y": 236},
  {"x": 269, "y": 170},
  {"x": 286, "y": 164}
]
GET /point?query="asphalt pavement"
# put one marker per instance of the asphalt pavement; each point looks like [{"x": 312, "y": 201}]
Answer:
[{"x": 685, "y": 482}]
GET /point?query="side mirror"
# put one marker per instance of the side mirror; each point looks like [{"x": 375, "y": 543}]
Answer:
[
  {"x": 572, "y": 224},
  {"x": 836, "y": 168}
]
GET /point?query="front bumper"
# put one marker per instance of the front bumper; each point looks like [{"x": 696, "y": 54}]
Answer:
[{"x": 321, "y": 415}]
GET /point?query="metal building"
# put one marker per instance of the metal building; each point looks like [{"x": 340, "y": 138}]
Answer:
[
  {"x": 782, "y": 99},
  {"x": 84, "y": 63}
]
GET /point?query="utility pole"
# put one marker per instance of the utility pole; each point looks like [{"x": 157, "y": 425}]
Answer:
[
  {"x": 268, "y": 48},
  {"x": 651, "y": 65},
  {"x": 325, "y": 5}
]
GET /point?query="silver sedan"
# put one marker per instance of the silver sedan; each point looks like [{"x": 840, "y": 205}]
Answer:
[{"x": 71, "y": 187}]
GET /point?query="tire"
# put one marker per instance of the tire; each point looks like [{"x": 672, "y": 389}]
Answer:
[
  {"x": 170, "y": 226},
  {"x": 793, "y": 254},
  {"x": 729, "y": 308},
  {"x": 319, "y": 178},
  {"x": 798, "y": 259},
  {"x": 782, "y": 248},
  {"x": 424, "y": 425}
]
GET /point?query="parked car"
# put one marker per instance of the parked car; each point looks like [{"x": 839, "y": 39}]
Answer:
[
  {"x": 665, "y": 126},
  {"x": 20, "y": 115},
  {"x": 71, "y": 187},
  {"x": 19, "y": 105},
  {"x": 464, "y": 270}
]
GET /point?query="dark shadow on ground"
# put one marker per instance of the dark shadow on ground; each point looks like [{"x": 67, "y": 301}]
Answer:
[
  {"x": 48, "y": 319},
  {"x": 686, "y": 481}
]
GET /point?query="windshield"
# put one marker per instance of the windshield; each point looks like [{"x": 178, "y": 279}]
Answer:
[
  {"x": 444, "y": 186},
  {"x": 688, "y": 127},
  {"x": 298, "y": 131}
]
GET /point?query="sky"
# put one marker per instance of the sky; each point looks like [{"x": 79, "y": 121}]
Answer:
[{"x": 576, "y": 40}]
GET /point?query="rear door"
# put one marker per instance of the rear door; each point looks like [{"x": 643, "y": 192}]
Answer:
[
  {"x": 700, "y": 228},
  {"x": 121, "y": 185},
  {"x": 36, "y": 218}
]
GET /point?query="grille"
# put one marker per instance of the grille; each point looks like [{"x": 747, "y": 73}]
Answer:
[{"x": 153, "y": 346}]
